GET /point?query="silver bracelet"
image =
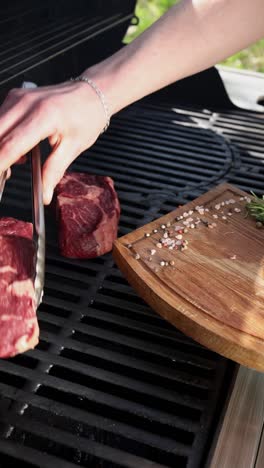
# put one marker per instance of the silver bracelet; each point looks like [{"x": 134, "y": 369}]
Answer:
[{"x": 101, "y": 96}]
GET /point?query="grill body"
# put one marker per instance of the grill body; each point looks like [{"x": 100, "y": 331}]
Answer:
[{"x": 112, "y": 384}]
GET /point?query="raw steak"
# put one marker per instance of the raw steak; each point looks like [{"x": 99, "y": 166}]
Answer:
[
  {"x": 88, "y": 211},
  {"x": 19, "y": 329}
]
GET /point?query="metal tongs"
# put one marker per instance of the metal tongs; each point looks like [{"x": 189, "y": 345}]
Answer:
[
  {"x": 38, "y": 222},
  {"x": 38, "y": 219},
  {"x": 38, "y": 214},
  {"x": 3, "y": 178}
]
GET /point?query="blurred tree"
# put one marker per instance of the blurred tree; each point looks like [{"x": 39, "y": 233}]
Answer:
[{"x": 148, "y": 11}]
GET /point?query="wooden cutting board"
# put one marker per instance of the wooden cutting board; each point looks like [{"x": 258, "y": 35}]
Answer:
[{"x": 214, "y": 290}]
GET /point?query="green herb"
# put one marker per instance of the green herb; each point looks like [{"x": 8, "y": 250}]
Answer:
[{"x": 256, "y": 208}]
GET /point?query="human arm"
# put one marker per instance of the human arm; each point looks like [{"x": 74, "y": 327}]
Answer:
[{"x": 191, "y": 37}]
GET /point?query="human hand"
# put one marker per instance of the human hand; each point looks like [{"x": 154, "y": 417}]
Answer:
[{"x": 70, "y": 115}]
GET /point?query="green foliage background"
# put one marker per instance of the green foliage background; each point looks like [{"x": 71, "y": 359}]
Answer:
[{"x": 149, "y": 11}]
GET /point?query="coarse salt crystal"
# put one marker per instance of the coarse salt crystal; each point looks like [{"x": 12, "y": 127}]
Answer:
[
  {"x": 178, "y": 242},
  {"x": 179, "y": 236},
  {"x": 217, "y": 207},
  {"x": 165, "y": 235},
  {"x": 152, "y": 252},
  {"x": 232, "y": 201},
  {"x": 224, "y": 217},
  {"x": 192, "y": 226},
  {"x": 179, "y": 228},
  {"x": 189, "y": 220},
  {"x": 215, "y": 216},
  {"x": 190, "y": 212},
  {"x": 170, "y": 241},
  {"x": 233, "y": 257},
  {"x": 237, "y": 210},
  {"x": 159, "y": 245},
  {"x": 185, "y": 214}
]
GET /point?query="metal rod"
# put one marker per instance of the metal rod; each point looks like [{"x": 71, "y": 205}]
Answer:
[
  {"x": 109, "y": 25},
  {"x": 37, "y": 44},
  {"x": 59, "y": 44}
]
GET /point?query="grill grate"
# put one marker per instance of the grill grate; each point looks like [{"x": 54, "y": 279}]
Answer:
[
  {"x": 112, "y": 384},
  {"x": 159, "y": 142}
]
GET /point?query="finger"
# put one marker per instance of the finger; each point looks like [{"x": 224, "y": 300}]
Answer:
[
  {"x": 21, "y": 160},
  {"x": 22, "y": 139},
  {"x": 54, "y": 140},
  {"x": 54, "y": 168}
]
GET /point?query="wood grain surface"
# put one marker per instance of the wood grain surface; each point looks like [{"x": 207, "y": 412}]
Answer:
[{"x": 214, "y": 290}]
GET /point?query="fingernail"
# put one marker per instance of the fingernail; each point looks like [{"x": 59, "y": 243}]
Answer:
[{"x": 47, "y": 196}]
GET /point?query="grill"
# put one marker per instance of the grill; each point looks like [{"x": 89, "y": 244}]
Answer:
[{"x": 112, "y": 384}]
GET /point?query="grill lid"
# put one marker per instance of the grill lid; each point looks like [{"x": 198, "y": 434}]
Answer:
[{"x": 43, "y": 48}]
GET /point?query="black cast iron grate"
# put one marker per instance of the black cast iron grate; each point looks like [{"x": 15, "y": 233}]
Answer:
[{"x": 111, "y": 383}]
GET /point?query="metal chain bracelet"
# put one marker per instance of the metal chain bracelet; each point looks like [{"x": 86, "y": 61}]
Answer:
[{"x": 101, "y": 96}]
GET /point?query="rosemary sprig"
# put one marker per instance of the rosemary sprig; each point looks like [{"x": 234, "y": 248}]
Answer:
[{"x": 256, "y": 208}]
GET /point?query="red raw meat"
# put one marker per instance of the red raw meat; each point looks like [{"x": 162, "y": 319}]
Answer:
[
  {"x": 88, "y": 212},
  {"x": 19, "y": 329}
]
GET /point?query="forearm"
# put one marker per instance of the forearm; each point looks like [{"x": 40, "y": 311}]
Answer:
[{"x": 192, "y": 36}]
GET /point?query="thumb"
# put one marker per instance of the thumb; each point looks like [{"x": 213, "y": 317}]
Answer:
[{"x": 54, "y": 168}]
